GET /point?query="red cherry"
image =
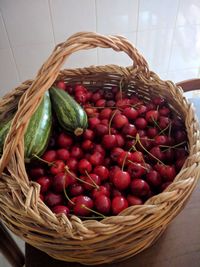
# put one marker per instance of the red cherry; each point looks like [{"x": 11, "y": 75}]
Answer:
[
  {"x": 130, "y": 113},
  {"x": 61, "y": 209},
  {"x": 100, "y": 149},
  {"x": 64, "y": 140},
  {"x": 165, "y": 185},
  {"x": 179, "y": 163},
  {"x": 137, "y": 156},
  {"x": 119, "y": 120},
  {"x": 52, "y": 199},
  {"x": 152, "y": 132},
  {"x": 168, "y": 173},
  {"x": 81, "y": 97},
  {"x": 116, "y": 193},
  {"x": 180, "y": 136},
  {"x": 164, "y": 111},
  {"x": 95, "y": 97},
  {"x": 101, "y": 190},
  {"x": 119, "y": 204},
  {"x": 58, "y": 166},
  {"x": 105, "y": 113},
  {"x": 59, "y": 182},
  {"x": 84, "y": 165},
  {"x": 109, "y": 95},
  {"x": 109, "y": 141},
  {"x": 119, "y": 140},
  {"x": 76, "y": 152},
  {"x": 100, "y": 103},
  {"x": 81, "y": 205},
  {"x": 129, "y": 129},
  {"x": 121, "y": 180},
  {"x": 136, "y": 170},
  {"x": 88, "y": 134},
  {"x": 101, "y": 129},
  {"x": 45, "y": 183},
  {"x": 141, "y": 123},
  {"x": 152, "y": 116},
  {"x": 61, "y": 85},
  {"x": 93, "y": 122},
  {"x": 161, "y": 140},
  {"x": 123, "y": 158},
  {"x": 72, "y": 164},
  {"x": 76, "y": 189},
  {"x": 96, "y": 158},
  {"x": 62, "y": 153},
  {"x": 158, "y": 101},
  {"x": 112, "y": 171},
  {"x": 80, "y": 89},
  {"x": 115, "y": 153},
  {"x": 133, "y": 200},
  {"x": 139, "y": 187},
  {"x": 157, "y": 153},
  {"x": 36, "y": 172},
  {"x": 87, "y": 145},
  {"x": 92, "y": 181},
  {"x": 164, "y": 122},
  {"x": 49, "y": 155},
  {"x": 103, "y": 204},
  {"x": 153, "y": 178},
  {"x": 102, "y": 172},
  {"x": 142, "y": 109},
  {"x": 110, "y": 103}
]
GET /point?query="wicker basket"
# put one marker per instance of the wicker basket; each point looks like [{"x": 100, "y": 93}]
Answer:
[{"x": 114, "y": 238}]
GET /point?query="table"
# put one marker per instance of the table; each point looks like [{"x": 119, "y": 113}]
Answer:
[{"x": 178, "y": 246}]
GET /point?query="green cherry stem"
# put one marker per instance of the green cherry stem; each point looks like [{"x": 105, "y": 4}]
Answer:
[
  {"x": 91, "y": 179},
  {"x": 125, "y": 158},
  {"x": 109, "y": 126},
  {"x": 45, "y": 161},
  {"x": 155, "y": 122},
  {"x": 101, "y": 215},
  {"x": 138, "y": 140},
  {"x": 135, "y": 163},
  {"x": 67, "y": 197},
  {"x": 168, "y": 147},
  {"x": 164, "y": 129}
]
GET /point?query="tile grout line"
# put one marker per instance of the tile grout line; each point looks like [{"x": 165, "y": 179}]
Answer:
[
  {"x": 173, "y": 34},
  {"x": 52, "y": 25},
  {"x": 11, "y": 48},
  {"x": 96, "y": 23}
]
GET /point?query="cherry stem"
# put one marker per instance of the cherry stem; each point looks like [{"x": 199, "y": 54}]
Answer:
[
  {"x": 135, "y": 163},
  {"x": 155, "y": 122},
  {"x": 138, "y": 140},
  {"x": 85, "y": 207},
  {"x": 170, "y": 128},
  {"x": 91, "y": 179},
  {"x": 125, "y": 158},
  {"x": 177, "y": 145},
  {"x": 45, "y": 161},
  {"x": 80, "y": 180},
  {"x": 65, "y": 193},
  {"x": 164, "y": 129},
  {"x": 133, "y": 137},
  {"x": 109, "y": 126}
]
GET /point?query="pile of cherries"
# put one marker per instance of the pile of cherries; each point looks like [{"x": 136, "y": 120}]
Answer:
[{"x": 131, "y": 150}]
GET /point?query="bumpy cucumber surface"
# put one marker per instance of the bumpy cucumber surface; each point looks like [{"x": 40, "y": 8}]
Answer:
[{"x": 71, "y": 116}]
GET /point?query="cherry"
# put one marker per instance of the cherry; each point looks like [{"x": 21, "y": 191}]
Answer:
[
  {"x": 110, "y": 103},
  {"x": 137, "y": 156},
  {"x": 103, "y": 204},
  {"x": 130, "y": 113},
  {"x": 119, "y": 120},
  {"x": 161, "y": 140},
  {"x": 95, "y": 97},
  {"x": 136, "y": 169},
  {"x": 88, "y": 134},
  {"x": 109, "y": 141},
  {"x": 61, "y": 209},
  {"x": 121, "y": 179},
  {"x": 52, "y": 199},
  {"x": 152, "y": 132},
  {"x": 115, "y": 153},
  {"x": 153, "y": 178},
  {"x": 81, "y": 97},
  {"x": 119, "y": 140},
  {"x": 102, "y": 172},
  {"x": 141, "y": 123},
  {"x": 112, "y": 171},
  {"x": 49, "y": 155},
  {"x": 164, "y": 186},
  {"x": 93, "y": 122},
  {"x": 59, "y": 182},
  {"x": 61, "y": 85},
  {"x": 96, "y": 158},
  {"x": 36, "y": 172},
  {"x": 158, "y": 101},
  {"x": 118, "y": 204},
  {"x": 84, "y": 165},
  {"x": 83, "y": 206},
  {"x": 164, "y": 111},
  {"x": 107, "y": 162},
  {"x": 100, "y": 149},
  {"x": 100, "y": 103},
  {"x": 163, "y": 122},
  {"x": 64, "y": 140},
  {"x": 116, "y": 192},
  {"x": 152, "y": 116},
  {"x": 123, "y": 103},
  {"x": 105, "y": 113},
  {"x": 129, "y": 129},
  {"x": 101, "y": 129},
  {"x": 76, "y": 189},
  {"x": 45, "y": 183},
  {"x": 109, "y": 95},
  {"x": 62, "y": 153},
  {"x": 76, "y": 152},
  {"x": 123, "y": 158},
  {"x": 58, "y": 166},
  {"x": 133, "y": 200},
  {"x": 79, "y": 88},
  {"x": 179, "y": 163},
  {"x": 139, "y": 188},
  {"x": 87, "y": 145},
  {"x": 72, "y": 164},
  {"x": 180, "y": 136},
  {"x": 156, "y": 153},
  {"x": 101, "y": 190},
  {"x": 168, "y": 172},
  {"x": 142, "y": 109}
]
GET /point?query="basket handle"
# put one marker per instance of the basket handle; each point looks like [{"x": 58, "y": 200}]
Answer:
[{"x": 48, "y": 74}]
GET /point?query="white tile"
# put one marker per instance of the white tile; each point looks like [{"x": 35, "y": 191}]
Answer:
[
  {"x": 27, "y": 21},
  {"x": 81, "y": 59},
  {"x": 186, "y": 48},
  {"x": 109, "y": 56},
  {"x": 117, "y": 16},
  {"x": 30, "y": 58},
  {"x": 189, "y": 12},
  {"x": 3, "y": 35},
  {"x": 71, "y": 16},
  {"x": 181, "y": 75},
  {"x": 157, "y": 14},
  {"x": 155, "y": 46},
  {"x": 8, "y": 72}
]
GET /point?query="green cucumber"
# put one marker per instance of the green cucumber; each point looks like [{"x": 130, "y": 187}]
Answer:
[
  {"x": 38, "y": 131},
  {"x": 71, "y": 116}
]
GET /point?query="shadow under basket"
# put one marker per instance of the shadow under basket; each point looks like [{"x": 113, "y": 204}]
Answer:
[{"x": 114, "y": 238}]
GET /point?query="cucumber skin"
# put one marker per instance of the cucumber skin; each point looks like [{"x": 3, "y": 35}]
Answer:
[
  {"x": 70, "y": 114},
  {"x": 38, "y": 132}
]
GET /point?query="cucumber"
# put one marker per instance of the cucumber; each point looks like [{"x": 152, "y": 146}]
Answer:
[
  {"x": 38, "y": 131},
  {"x": 71, "y": 116}
]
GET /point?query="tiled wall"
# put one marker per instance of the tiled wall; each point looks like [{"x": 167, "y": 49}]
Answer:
[{"x": 166, "y": 32}]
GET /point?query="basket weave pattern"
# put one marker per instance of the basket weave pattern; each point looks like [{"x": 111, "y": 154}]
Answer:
[{"x": 114, "y": 238}]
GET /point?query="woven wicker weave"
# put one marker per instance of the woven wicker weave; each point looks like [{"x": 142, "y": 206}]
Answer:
[{"x": 114, "y": 238}]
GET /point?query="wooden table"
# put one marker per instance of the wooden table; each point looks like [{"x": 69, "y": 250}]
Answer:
[{"x": 179, "y": 246}]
